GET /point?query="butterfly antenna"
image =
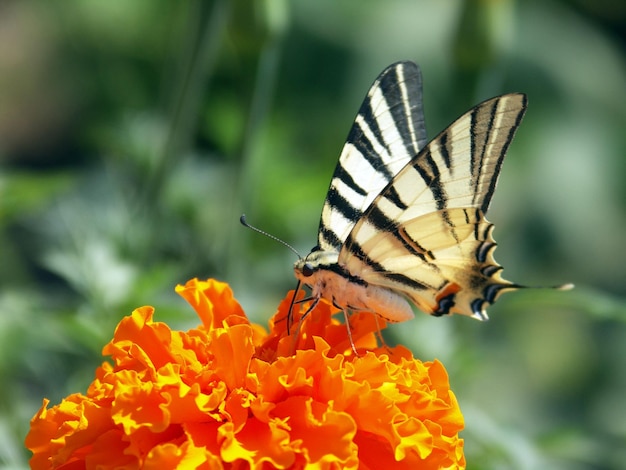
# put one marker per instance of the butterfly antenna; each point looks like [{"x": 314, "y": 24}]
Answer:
[{"x": 245, "y": 223}]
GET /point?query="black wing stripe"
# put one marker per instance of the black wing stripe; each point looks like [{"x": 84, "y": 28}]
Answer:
[
  {"x": 342, "y": 205},
  {"x": 358, "y": 252},
  {"x": 490, "y": 270},
  {"x": 393, "y": 196},
  {"x": 473, "y": 148},
  {"x": 396, "y": 92},
  {"x": 329, "y": 236},
  {"x": 344, "y": 176},
  {"x": 429, "y": 171},
  {"x": 405, "y": 280},
  {"x": 485, "y": 116},
  {"x": 483, "y": 251},
  {"x": 444, "y": 147},
  {"x": 411, "y": 81},
  {"x": 416, "y": 248},
  {"x": 342, "y": 272},
  {"x": 379, "y": 220},
  {"x": 363, "y": 144},
  {"x": 490, "y": 292},
  {"x": 383, "y": 223},
  {"x": 379, "y": 268},
  {"x": 505, "y": 146},
  {"x": 477, "y": 216}
]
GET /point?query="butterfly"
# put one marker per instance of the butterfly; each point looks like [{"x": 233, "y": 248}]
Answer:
[{"x": 404, "y": 220}]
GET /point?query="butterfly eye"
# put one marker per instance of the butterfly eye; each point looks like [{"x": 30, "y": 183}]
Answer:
[{"x": 307, "y": 270}]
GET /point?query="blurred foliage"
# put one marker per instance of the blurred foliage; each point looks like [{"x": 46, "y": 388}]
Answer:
[{"x": 134, "y": 134}]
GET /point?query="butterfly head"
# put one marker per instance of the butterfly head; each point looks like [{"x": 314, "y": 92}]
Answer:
[{"x": 306, "y": 268}]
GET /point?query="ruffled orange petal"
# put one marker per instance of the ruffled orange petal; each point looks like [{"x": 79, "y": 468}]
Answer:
[
  {"x": 213, "y": 301},
  {"x": 229, "y": 395}
]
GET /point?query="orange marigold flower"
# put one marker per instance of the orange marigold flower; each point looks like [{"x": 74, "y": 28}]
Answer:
[{"x": 229, "y": 395}]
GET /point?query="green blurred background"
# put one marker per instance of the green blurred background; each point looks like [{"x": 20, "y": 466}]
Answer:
[{"x": 134, "y": 134}]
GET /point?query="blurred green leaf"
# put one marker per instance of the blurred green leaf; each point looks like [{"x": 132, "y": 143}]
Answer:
[{"x": 23, "y": 192}]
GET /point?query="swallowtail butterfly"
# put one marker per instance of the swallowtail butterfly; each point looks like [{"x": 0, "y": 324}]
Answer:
[{"x": 404, "y": 220}]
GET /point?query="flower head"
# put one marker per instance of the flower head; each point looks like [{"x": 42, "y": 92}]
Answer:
[{"x": 229, "y": 395}]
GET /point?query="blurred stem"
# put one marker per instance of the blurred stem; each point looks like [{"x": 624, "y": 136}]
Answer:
[
  {"x": 206, "y": 25},
  {"x": 483, "y": 33},
  {"x": 260, "y": 104},
  {"x": 264, "y": 86}
]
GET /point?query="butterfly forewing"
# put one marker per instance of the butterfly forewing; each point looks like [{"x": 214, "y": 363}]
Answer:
[
  {"x": 387, "y": 133},
  {"x": 425, "y": 235}
]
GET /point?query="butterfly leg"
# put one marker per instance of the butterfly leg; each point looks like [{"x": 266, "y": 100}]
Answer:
[
  {"x": 310, "y": 309},
  {"x": 349, "y": 329},
  {"x": 293, "y": 302},
  {"x": 301, "y": 320},
  {"x": 290, "y": 314},
  {"x": 379, "y": 334}
]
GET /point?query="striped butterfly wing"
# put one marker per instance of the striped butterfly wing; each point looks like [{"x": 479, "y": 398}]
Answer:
[
  {"x": 425, "y": 235},
  {"x": 387, "y": 133}
]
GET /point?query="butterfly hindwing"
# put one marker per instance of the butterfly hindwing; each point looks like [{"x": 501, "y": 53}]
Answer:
[
  {"x": 387, "y": 133},
  {"x": 425, "y": 235}
]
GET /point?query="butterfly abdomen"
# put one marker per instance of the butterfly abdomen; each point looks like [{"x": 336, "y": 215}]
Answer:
[{"x": 328, "y": 280}]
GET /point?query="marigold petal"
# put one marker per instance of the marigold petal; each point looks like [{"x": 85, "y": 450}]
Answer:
[
  {"x": 232, "y": 351},
  {"x": 139, "y": 342},
  {"x": 373, "y": 412},
  {"x": 138, "y": 404},
  {"x": 292, "y": 373},
  {"x": 163, "y": 457},
  {"x": 65, "y": 432},
  {"x": 321, "y": 434},
  {"x": 237, "y": 407},
  {"x": 262, "y": 409},
  {"x": 144, "y": 439},
  {"x": 213, "y": 301},
  {"x": 448, "y": 450},
  {"x": 172, "y": 456},
  {"x": 205, "y": 438},
  {"x": 109, "y": 451},
  {"x": 184, "y": 404},
  {"x": 375, "y": 453},
  {"x": 413, "y": 436},
  {"x": 43, "y": 426},
  {"x": 101, "y": 390},
  {"x": 257, "y": 443}
]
